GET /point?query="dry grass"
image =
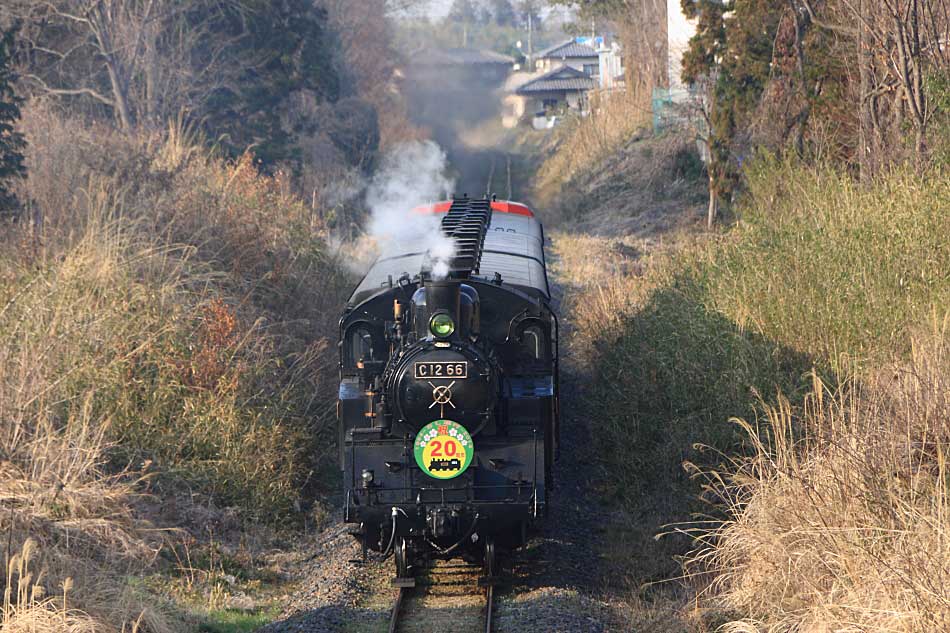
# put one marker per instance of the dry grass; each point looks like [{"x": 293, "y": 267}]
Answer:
[
  {"x": 27, "y": 607},
  {"x": 835, "y": 501},
  {"x": 840, "y": 520},
  {"x": 580, "y": 142},
  {"x": 163, "y": 327},
  {"x": 690, "y": 336},
  {"x": 638, "y": 184},
  {"x": 65, "y": 344},
  {"x": 830, "y": 268}
]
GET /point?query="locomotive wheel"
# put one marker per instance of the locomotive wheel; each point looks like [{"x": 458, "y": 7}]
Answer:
[{"x": 403, "y": 564}]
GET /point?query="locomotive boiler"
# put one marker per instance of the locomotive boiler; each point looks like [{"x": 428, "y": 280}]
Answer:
[{"x": 448, "y": 402}]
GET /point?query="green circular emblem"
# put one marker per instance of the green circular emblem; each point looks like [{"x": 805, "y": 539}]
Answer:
[{"x": 443, "y": 449}]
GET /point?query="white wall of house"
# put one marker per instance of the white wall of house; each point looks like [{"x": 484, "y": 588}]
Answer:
[
  {"x": 679, "y": 31},
  {"x": 520, "y": 105},
  {"x": 611, "y": 67},
  {"x": 577, "y": 63}
]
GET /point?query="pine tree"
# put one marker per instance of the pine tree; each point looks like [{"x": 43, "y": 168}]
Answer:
[
  {"x": 706, "y": 47},
  {"x": 285, "y": 51},
  {"x": 12, "y": 143},
  {"x": 735, "y": 53}
]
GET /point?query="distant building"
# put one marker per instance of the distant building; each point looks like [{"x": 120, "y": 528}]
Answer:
[
  {"x": 461, "y": 81},
  {"x": 572, "y": 54},
  {"x": 563, "y": 88},
  {"x": 565, "y": 74}
]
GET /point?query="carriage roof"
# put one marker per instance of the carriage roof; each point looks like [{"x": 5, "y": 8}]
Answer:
[{"x": 493, "y": 238}]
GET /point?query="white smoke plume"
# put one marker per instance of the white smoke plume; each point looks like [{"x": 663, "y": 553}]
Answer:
[{"x": 411, "y": 175}]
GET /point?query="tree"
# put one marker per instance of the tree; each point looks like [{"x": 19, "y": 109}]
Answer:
[
  {"x": 503, "y": 13},
  {"x": 12, "y": 142},
  {"x": 463, "y": 11},
  {"x": 371, "y": 63},
  {"x": 233, "y": 65},
  {"x": 894, "y": 46},
  {"x": 700, "y": 68},
  {"x": 731, "y": 59},
  {"x": 281, "y": 53},
  {"x": 529, "y": 14}
]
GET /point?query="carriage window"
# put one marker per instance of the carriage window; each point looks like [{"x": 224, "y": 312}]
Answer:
[
  {"x": 359, "y": 346},
  {"x": 532, "y": 342}
]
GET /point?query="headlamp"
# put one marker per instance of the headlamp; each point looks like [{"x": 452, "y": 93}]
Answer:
[{"x": 441, "y": 325}]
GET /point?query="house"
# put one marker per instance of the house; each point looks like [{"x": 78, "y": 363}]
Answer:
[
  {"x": 572, "y": 54},
  {"x": 558, "y": 89},
  {"x": 679, "y": 31}
]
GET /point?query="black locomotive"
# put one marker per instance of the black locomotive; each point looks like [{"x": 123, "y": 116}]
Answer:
[{"x": 448, "y": 410}]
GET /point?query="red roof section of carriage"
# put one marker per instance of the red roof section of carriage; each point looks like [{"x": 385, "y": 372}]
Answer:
[{"x": 501, "y": 206}]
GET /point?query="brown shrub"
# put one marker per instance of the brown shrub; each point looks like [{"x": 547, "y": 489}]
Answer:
[
  {"x": 841, "y": 519},
  {"x": 163, "y": 327}
]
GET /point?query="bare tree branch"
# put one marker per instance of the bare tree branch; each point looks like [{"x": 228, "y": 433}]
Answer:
[{"x": 68, "y": 92}]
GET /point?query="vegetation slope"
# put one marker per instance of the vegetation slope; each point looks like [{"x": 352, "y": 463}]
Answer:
[
  {"x": 165, "y": 372},
  {"x": 773, "y": 398}
]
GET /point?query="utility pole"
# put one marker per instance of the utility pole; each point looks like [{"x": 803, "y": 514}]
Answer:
[{"x": 531, "y": 39}]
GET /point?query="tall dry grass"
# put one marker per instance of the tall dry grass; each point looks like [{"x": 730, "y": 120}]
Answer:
[
  {"x": 581, "y": 142},
  {"x": 840, "y": 519},
  {"x": 163, "y": 327},
  {"x": 818, "y": 273},
  {"x": 27, "y": 607},
  {"x": 819, "y": 276}
]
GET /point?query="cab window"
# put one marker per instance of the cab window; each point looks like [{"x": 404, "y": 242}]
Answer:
[{"x": 359, "y": 346}]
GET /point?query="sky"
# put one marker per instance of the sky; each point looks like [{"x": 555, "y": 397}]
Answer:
[
  {"x": 440, "y": 8},
  {"x": 433, "y": 8}
]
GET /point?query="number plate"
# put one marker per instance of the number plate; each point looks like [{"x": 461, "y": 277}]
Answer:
[{"x": 428, "y": 371}]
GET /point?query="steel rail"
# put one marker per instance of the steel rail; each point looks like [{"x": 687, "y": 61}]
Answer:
[
  {"x": 491, "y": 176},
  {"x": 397, "y": 610},
  {"x": 489, "y": 607}
]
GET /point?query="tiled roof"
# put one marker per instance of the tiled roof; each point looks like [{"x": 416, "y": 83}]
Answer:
[
  {"x": 569, "y": 48},
  {"x": 560, "y": 79},
  {"x": 460, "y": 56}
]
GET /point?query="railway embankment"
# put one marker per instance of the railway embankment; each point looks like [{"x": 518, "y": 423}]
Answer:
[
  {"x": 165, "y": 382},
  {"x": 771, "y": 398}
]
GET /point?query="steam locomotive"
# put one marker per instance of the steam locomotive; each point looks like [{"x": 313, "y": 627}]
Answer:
[{"x": 448, "y": 405}]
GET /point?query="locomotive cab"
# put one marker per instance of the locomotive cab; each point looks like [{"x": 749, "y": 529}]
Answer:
[{"x": 448, "y": 394}]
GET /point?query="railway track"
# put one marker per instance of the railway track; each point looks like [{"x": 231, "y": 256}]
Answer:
[
  {"x": 448, "y": 597},
  {"x": 492, "y": 171}
]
